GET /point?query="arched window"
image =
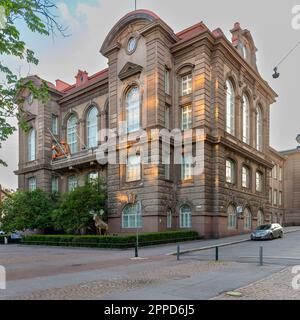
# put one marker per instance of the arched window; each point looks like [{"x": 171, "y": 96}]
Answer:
[
  {"x": 72, "y": 133},
  {"x": 230, "y": 171},
  {"x": 185, "y": 217},
  {"x": 247, "y": 219},
  {"x": 259, "y": 129},
  {"x": 231, "y": 217},
  {"x": 92, "y": 128},
  {"x": 132, "y": 216},
  {"x": 246, "y": 119},
  {"x": 260, "y": 218},
  {"x": 259, "y": 181},
  {"x": 72, "y": 183},
  {"x": 169, "y": 219},
  {"x": 245, "y": 177},
  {"x": 31, "y": 145},
  {"x": 133, "y": 109},
  {"x": 230, "y": 109}
]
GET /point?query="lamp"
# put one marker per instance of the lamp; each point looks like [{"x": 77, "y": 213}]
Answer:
[{"x": 276, "y": 74}]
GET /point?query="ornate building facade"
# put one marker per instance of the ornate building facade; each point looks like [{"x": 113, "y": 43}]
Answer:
[{"x": 157, "y": 79}]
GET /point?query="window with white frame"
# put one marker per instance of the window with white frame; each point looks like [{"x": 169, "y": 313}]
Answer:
[
  {"x": 54, "y": 184},
  {"x": 92, "y": 128},
  {"x": 167, "y": 165},
  {"x": 231, "y": 217},
  {"x": 260, "y": 218},
  {"x": 259, "y": 129},
  {"x": 72, "y": 183},
  {"x": 280, "y": 198},
  {"x": 132, "y": 216},
  {"x": 54, "y": 124},
  {"x": 185, "y": 217},
  {"x": 187, "y": 167},
  {"x": 31, "y": 145},
  {"x": 280, "y": 174},
  {"x": 186, "y": 117},
  {"x": 32, "y": 184},
  {"x": 275, "y": 198},
  {"x": 230, "y": 108},
  {"x": 247, "y": 219},
  {"x": 133, "y": 168},
  {"x": 259, "y": 181},
  {"x": 72, "y": 133},
  {"x": 133, "y": 109},
  {"x": 230, "y": 171},
  {"x": 246, "y": 119},
  {"x": 245, "y": 177},
  {"x": 275, "y": 172},
  {"x": 169, "y": 219},
  {"x": 186, "y": 85},
  {"x": 167, "y": 117},
  {"x": 167, "y": 81}
]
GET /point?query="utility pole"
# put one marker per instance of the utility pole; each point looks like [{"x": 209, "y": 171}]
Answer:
[{"x": 135, "y": 4}]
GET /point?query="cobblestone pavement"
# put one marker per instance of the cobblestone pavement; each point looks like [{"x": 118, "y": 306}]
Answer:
[
  {"x": 101, "y": 288},
  {"x": 278, "y": 286}
]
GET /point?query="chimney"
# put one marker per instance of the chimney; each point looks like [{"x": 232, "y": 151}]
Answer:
[{"x": 81, "y": 77}]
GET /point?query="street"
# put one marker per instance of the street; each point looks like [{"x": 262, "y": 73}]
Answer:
[{"x": 78, "y": 273}]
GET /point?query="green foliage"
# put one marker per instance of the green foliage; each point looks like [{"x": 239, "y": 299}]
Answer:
[
  {"x": 37, "y": 16},
  {"x": 74, "y": 212},
  {"x": 28, "y": 210},
  {"x": 121, "y": 242}
]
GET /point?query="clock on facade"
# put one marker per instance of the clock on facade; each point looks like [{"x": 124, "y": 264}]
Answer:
[{"x": 132, "y": 44}]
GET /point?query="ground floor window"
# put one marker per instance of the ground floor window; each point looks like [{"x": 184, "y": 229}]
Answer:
[
  {"x": 132, "y": 216},
  {"x": 260, "y": 218},
  {"x": 185, "y": 217},
  {"x": 232, "y": 217},
  {"x": 32, "y": 184},
  {"x": 169, "y": 219},
  {"x": 54, "y": 184},
  {"x": 72, "y": 183},
  {"x": 247, "y": 219}
]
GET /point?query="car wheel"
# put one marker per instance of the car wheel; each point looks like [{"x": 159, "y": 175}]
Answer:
[
  {"x": 271, "y": 237},
  {"x": 281, "y": 235}
]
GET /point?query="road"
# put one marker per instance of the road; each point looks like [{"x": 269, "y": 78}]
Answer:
[{"x": 77, "y": 273}]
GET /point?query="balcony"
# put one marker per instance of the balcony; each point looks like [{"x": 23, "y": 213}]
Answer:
[{"x": 79, "y": 160}]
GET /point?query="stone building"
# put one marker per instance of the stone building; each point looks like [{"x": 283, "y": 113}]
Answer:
[{"x": 195, "y": 80}]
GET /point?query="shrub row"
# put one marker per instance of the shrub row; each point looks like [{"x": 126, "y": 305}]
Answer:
[{"x": 119, "y": 242}]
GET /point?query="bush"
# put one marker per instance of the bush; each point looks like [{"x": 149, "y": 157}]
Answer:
[{"x": 120, "y": 242}]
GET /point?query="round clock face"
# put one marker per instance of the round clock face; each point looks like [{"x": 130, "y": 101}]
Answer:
[
  {"x": 30, "y": 98},
  {"x": 132, "y": 43}
]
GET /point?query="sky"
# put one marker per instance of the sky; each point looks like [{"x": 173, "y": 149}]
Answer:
[{"x": 89, "y": 21}]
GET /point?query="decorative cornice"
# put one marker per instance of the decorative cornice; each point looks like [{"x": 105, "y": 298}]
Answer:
[{"x": 129, "y": 70}]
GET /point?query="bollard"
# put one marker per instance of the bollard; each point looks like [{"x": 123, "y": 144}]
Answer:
[
  {"x": 178, "y": 252},
  {"x": 5, "y": 240},
  {"x": 217, "y": 253},
  {"x": 261, "y": 259},
  {"x": 136, "y": 251}
]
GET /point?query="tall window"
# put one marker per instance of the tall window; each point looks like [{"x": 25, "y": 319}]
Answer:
[
  {"x": 259, "y": 181},
  {"x": 275, "y": 198},
  {"x": 93, "y": 177},
  {"x": 31, "y": 145},
  {"x": 54, "y": 184},
  {"x": 280, "y": 198},
  {"x": 167, "y": 117},
  {"x": 247, "y": 219},
  {"x": 54, "y": 124},
  {"x": 167, "y": 81},
  {"x": 72, "y": 133},
  {"x": 186, "y": 117},
  {"x": 32, "y": 184},
  {"x": 186, "y": 84},
  {"x": 246, "y": 119},
  {"x": 259, "y": 129},
  {"x": 280, "y": 174},
  {"x": 72, "y": 183},
  {"x": 230, "y": 108},
  {"x": 260, "y": 218},
  {"x": 92, "y": 128},
  {"x": 167, "y": 162},
  {"x": 187, "y": 167},
  {"x": 231, "y": 217},
  {"x": 185, "y": 217},
  {"x": 132, "y": 216},
  {"x": 245, "y": 177},
  {"x": 169, "y": 219},
  {"x": 133, "y": 168},
  {"x": 230, "y": 171},
  {"x": 133, "y": 110}
]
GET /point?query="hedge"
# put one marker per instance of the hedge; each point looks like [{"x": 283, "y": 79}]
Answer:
[
  {"x": 118, "y": 242},
  {"x": 10, "y": 241}
]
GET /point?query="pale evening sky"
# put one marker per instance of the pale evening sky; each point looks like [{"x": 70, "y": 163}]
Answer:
[{"x": 89, "y": 22}]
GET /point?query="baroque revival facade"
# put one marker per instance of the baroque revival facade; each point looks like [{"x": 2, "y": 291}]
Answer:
[{"x": 157, "y": 79}]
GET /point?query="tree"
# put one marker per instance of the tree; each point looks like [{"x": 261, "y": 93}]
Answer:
[
  {"x": 37, "y": 16},
  {"x": 28, "y": 210},
  {"x": 75, "y": 212}
]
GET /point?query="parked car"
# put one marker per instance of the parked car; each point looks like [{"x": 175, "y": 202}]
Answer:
[
  {"x": 2, "y": 233},
  {"x": 267, "y": 232},
  {"x": 15, "y": 236}
]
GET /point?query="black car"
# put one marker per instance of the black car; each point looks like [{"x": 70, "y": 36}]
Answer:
[{"x": 267, "y": 232}]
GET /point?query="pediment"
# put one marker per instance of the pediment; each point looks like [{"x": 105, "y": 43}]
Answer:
[
  {"x": 129, "y": 70},
  {"x": 28, "y": 116}
]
